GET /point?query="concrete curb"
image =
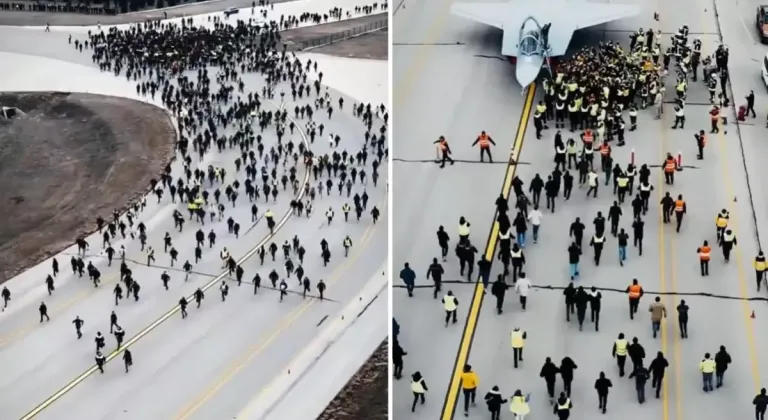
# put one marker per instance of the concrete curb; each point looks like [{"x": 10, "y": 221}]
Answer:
[{"x": 262, "y": 405}]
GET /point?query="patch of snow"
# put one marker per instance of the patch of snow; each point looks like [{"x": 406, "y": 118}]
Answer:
[{"x": 361, "y": 79}]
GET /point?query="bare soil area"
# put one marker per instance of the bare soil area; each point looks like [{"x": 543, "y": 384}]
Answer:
[
  {"x": 365, "y": 396},
  {"x": 69, "y": 159}
]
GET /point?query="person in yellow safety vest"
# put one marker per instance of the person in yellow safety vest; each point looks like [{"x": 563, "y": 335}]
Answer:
[
  {"x": 727, "y": 242},
  {"x": 419, "y": 388},
  {"x": 519, "y": 405},
  {"x": 463, "y": 231},
  {"x": 704, "y": 252},
  {"x": 494, "y": 400},
  {"x": 563, "y": 407},
  {"x": 721, "y": 222},
  {"x": 450, "y": 303},
  {"x": 346, "y": 209},
  {"x": 518, "y": 342},
  {"x": 622, "y": 182},
  {"x": 485, "y": 142},
  {"x": 707, "y": 368},
  {"x": 270, "y": 221},
  {"x": 469, "y": 383},
  {"x": 542, "y": 109},
  {"x": 760, "y": 267},
  {"x": 347, "y": 244},
  {"x": 619, "y": 352}
]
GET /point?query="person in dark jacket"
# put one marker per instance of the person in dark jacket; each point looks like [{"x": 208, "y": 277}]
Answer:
[
  {"x": 397, "y": 359},
  {"x": 495, "y": 401},
  {"x": 761, "y": 404},
  {"x": 409, "y": 278},
  {"x": 602, "y": 385},
  {"x": 640, "y": 374},
  {"x": 658, "y": 367},
  {"x": 581, "y": 300},
  {"x": 567, "y": 366},
  {"x": 549, "y": 372},
  {"x": 570, "y": 304},
  {"x": 499, "y": 289},
  {"x": 636, "y": 353},
  {"x": 574, "y": 257},
  {"x": 722, "y": 360}
]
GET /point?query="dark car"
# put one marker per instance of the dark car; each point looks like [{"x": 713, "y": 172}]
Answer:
[
  {"x": 231, "y": 11},
  {"x": 761, "y": 20}
]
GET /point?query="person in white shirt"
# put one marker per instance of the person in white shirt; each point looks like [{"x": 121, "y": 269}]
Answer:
[
  {"x": 522, "y": 287},
  {"x": 592, "y": 180},
  {"x": 535, "y": 218}
]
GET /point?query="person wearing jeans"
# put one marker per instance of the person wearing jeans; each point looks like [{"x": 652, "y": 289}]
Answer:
[
  {"x": 707, "y": 368},
  {"x": 658, "y": 311}
]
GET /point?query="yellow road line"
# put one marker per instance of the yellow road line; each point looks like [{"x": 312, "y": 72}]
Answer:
[
  {"x": 79, "y": 379},
  {"x": 452, "y": 395},
  {"x": 243, "y": 362},
  {"x": 662, "y": 276},
  {"x": 665, "y": 332},
  {"x": 743, "y": 288}
]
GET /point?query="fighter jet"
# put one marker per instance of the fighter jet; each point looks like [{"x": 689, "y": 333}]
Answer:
[{"x": 536, "y": 30}]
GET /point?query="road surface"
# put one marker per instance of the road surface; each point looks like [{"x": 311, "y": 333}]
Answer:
[
  {"x": 480, "y": 94},
  {"x": 215, "y": 361}
]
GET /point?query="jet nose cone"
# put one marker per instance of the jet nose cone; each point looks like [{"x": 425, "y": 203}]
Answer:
[{"x": 527, "y": 70}]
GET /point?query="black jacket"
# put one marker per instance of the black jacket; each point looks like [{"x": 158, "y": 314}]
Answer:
[{"x": 494, "y": 400}]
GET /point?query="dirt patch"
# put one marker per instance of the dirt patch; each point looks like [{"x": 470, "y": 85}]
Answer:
[
  {"x": 365, "y": 396},
  {"x": 372, "y": 46},
  {"x": 69, "y": 159}
]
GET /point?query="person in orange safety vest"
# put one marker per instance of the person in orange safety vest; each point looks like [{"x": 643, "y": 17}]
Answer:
[
  {"x": 714, "y": 115},
  {"x": 485, "y": 141},
  {"x": 635, "y": 292},
  {"x": 445, "y": 151},
  {"x": 605, "y": 154},
  {"x": 587, "y": 137},
  {"x": 670, "y": 166},
  {"x": 704, "y": 252},
  {"x": 680, "y": 210}
]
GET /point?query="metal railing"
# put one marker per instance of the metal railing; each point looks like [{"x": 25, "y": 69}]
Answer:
[{"x": 339, "y": 36}]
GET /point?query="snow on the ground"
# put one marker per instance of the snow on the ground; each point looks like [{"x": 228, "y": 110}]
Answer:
[
  {"x": 34, "y": 74},
  {"x": 290, "y": 8},
  {"x": 361, "y": 79}
]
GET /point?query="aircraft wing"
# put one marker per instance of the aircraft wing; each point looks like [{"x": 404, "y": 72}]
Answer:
[
  {"x": 566, "y": 17},
  {"x": 491, "y": 14},
  {"x": 581, "y": 15}
]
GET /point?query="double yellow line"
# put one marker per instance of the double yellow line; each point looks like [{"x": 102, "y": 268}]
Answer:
[
  {"x": 90, "y": 371},
  {"x": 449, "y": 407},
  {"x": 242, "y": 362}
]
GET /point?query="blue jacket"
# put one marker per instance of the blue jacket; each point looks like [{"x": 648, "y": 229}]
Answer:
[{"x": 408, "y": 276}]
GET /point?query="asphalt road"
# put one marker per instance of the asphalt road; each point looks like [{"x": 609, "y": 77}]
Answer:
[
  {"x": 481, "y": 94},
  {"x": 213, "y": 362}
]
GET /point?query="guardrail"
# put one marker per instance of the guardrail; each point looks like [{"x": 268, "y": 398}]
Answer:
[{"x": 339, "y": 36}]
